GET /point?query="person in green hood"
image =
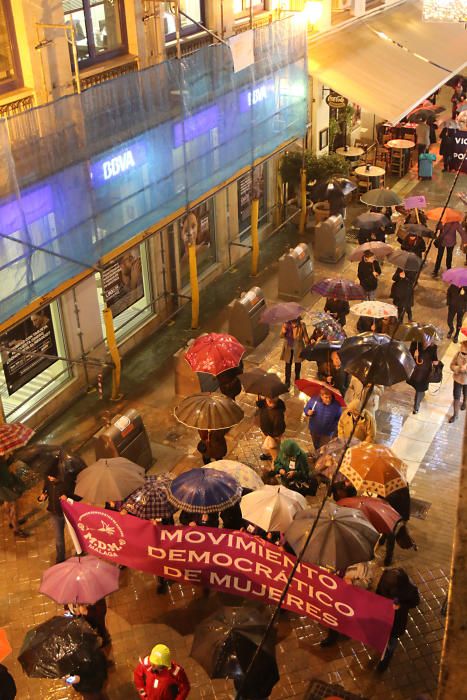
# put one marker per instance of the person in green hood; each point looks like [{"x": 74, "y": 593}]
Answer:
[{"x": 293, "y": 470}]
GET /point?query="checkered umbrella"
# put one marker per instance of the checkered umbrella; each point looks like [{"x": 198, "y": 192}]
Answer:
[
  {"x": 13, "y": 436},
  {"x": 339, "y": 288},
  {"x": 150, "y": 500}
]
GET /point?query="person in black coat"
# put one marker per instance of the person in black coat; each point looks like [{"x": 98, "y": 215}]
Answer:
[
  {"x": 396, "y": 585},
  {"x": 229, "y": 383},
  {"x": 400, "y": 501},
  {"x": 425, "y": 357},
  {"x": 368, "y": 272},
  {"x": 271, "y": 416},
  {"x": 456, "y": 299},
  {"x": 414, "y": 244},
  {"x": 338, "y": 308},
  {"x": 402, "y": 295},
  {"x": 446, "y": 148},
  {"x": 7, "y": 684}
]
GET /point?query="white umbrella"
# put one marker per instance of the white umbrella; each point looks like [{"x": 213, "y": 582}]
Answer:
[
  {"x": 245, "y": 475},
  {"x": 272, "y": 508},
  {"x": 109, "y": 480}
]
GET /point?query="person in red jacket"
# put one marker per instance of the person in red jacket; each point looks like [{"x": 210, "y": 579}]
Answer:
[{"x": 157, "y": 677}]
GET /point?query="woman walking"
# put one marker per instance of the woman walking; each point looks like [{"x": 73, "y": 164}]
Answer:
[
  {"x": 402, "y": 294},
  {"x": 368, "y": 272},
  {"x": 425, "y": 356},
  {"x": 296, "y": 337},
  {"x": 459, "y": 374}
]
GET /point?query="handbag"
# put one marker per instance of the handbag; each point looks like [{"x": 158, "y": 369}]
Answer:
[{"x": 436, "y": 373}]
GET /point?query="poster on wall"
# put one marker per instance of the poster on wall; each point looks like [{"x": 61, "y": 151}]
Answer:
[
  {"x": 246, "y": 187},
  {"x": 122, "y": 281},
  {"x": 197, "y": 227},
  {"x": 34, "y": 335}
]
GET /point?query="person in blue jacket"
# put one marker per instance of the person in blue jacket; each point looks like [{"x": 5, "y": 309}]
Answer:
[{"x": 324, "y": 413}]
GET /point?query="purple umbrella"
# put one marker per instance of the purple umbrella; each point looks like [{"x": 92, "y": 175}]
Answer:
[
  {"x": 80, "y": 580},
  {"x": 456, "y": 276},
  {"x": 339, "y": 288},
  {"x": 280, "y": 313}
]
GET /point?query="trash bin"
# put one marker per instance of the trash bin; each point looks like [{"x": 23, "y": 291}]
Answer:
[
  {"x": 244, "y": 314},
  {"x": 329, "y": 243},
  {"x": 126, "y": 436},
  {"x": 295, "y": 272}
]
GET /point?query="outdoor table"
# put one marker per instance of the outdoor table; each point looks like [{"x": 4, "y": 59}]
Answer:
[
  {"x": 403, "y": 145},
  {"x": 350, "y": 152},
  {"x": 373, "y": 172}
]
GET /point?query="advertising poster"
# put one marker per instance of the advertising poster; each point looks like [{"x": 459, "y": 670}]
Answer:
[
  {"x": 459, "y": 151},
  {"x": 197, "y": 227},
  {"x": 122, "y": 281},
  {"x": 35, "y": 335},
  {"x": 246, "y": 186}
]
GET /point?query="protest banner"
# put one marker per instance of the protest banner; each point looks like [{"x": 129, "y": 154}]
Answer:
[{"x": 232, "y": 562}]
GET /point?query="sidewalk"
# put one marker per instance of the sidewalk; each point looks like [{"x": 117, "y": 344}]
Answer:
[{"x": 137, "y": 618}]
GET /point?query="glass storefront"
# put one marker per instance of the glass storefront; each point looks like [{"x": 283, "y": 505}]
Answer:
[
  {"x": 28, "y": 378},
  {"x": 125, "y": 286}
]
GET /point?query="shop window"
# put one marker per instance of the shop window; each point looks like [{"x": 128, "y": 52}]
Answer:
[
  {"x": 99, "y": 28},
  {"x": 242, "y": 8},
  {"x": 193, "y": 8},
  {"x": 246, "y": 186},
  {"x": 10, "y": 72},
  {"x": 27, "y": 377},
  {"x": 125, "y": 286},
  {"x": 199, "y": 224}
]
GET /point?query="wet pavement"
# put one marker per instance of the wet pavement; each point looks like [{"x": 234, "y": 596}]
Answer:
[{"x": 138, "y": 618}]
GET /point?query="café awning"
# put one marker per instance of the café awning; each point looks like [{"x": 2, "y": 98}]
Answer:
[{"x": 389, "y": 62}]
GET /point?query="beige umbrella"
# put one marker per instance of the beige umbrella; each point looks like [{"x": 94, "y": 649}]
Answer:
[
  {"x": 109, "y": 480},
  {"x": 208, "y": 412},
  {"x": 272, "y": 507}
]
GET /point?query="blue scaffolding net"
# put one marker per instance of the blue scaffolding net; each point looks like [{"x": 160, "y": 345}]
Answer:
[{"x": 88, "y": 172}]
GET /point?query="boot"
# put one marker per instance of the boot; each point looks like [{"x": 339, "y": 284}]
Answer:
[
  {"x": 463, "y": 404},
  {"x": 451, "y": 331},
  {"x": 456, "y": 411},
  {"x": 456, "y": 336}
]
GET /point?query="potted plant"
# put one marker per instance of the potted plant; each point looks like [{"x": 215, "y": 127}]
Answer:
[
  {"x": 347, "y": 117},
  {"x": 334, "y": 129}
]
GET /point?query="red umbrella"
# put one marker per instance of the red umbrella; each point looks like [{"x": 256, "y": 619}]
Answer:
[
  {"x": 214, "y": 353},
  {"x": 381, "y": 515},
  {"x": 5, "y": 647},
  {"x": 312, "y": 387},
  {"x": 13, "y": 436}
]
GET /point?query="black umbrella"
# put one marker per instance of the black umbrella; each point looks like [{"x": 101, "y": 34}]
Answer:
[
  {"x": 424, "y": 333},
  {"x": 263, "y": 383},
  {"x": 405, "y": 260},
  {"x": 320, "y": 352},
  {"x": 416, "y": 230},
  {"x": 371, "y": 220},
  {"x": 224, "y": 645},
  {"x": 376, "y": 359},
  {"x": 381, "y": 198},
  {"x": 58, "y": 647}
]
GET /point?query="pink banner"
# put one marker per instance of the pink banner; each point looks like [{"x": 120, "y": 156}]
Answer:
[
  {"x": 233, "y": 562},
  {"x": 418, "y": 201}
]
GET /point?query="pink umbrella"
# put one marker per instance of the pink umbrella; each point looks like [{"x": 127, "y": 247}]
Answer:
[
  {"x": 80, "y": 580},
  {"x": 379, "y": 250}
]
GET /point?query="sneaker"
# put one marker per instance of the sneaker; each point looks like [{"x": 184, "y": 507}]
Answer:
[
  {"x": 415, "y": 410},
  {"x": 265, "y": 458}
]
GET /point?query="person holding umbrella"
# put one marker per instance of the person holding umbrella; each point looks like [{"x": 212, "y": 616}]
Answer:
[
  {"x": 356, "y": 422},
  {"x": 402, "y": 294},
  {"x": 271, "y": 416},
  {"x": 212, "y": 445},
  {"x": 425, "y": 355},
  {"x": 459, "y": 374},
  {"x": 368, "y": 272},
  {"x": 296, "y": 337},
  {"x": 456, "y": 300},
  {"x": 446, "y": 241},
  {"x": 157, "y": 677},
  {"x": 52, "y": 492},
  {"x": 333, "y": 372},
  {"x": 414, "y": 244},
  {"x": 323, "y": 413},
  {"x": 338, "y": 308}
]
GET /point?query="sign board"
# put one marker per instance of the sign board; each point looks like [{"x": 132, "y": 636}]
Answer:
[
  {"x": 233, "y": 562},
  {"x": 336, "y": 101},
  {"x": 34, "y": 335},
  {"x": 118, "y": 162},
  {"x": 247, "y": 187},
  {"x": 459, "y": 151},
  {"x": 122, "y": 281},
  {"x": 418, "y": 201}
]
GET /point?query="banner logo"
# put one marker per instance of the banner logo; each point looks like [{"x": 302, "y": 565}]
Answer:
[{"x": 101, "y": 532}]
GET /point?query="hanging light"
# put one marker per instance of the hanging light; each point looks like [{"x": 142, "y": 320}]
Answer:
[{"x": 313, "y": 11}]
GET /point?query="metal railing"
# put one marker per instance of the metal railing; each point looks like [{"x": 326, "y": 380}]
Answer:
[
  {"x": 88, "y": 81},
  {"x": 16, "y": 106},
  {"x": 188, "y": 45}
]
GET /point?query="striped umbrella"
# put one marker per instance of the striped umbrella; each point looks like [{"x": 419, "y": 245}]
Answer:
[
  {"x": 339, "y": 288},
  {"x": 13, "y": 436}
]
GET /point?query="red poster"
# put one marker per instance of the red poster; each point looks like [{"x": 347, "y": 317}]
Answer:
[{"x": 233, "y": 562}]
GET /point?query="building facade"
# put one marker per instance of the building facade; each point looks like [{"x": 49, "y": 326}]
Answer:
[{"x": 144, "y": 277}]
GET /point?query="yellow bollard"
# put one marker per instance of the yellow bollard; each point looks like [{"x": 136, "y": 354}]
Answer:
[
  {"x": 2, "y": 413},
  {"x": 254, "y": 236},
  {"x": 301, "y": 226},
  {"x": 114, "y": 353},
  {"x": 194, "y": 285}
]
